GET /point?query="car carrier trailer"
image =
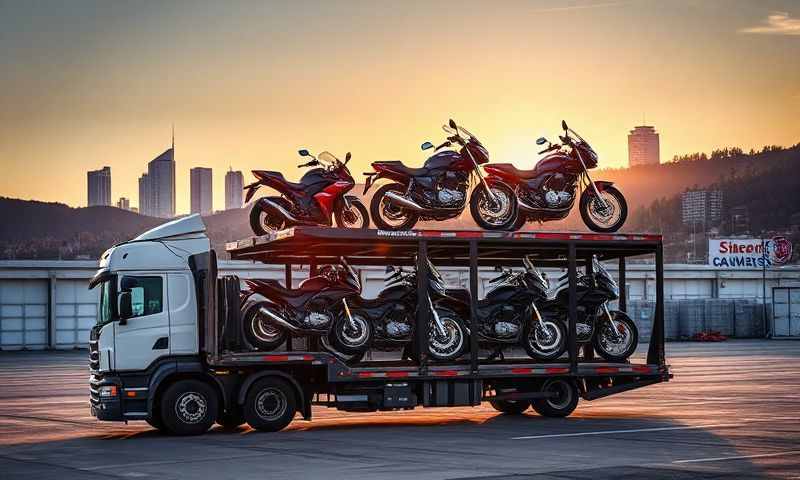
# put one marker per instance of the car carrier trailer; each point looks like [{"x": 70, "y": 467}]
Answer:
[{"x": 222, "y": 379}]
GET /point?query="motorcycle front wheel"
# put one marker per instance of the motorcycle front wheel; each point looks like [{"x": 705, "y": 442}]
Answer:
[
  {"x": 497, "y": 214},
  {"x": 545, "y": 342},
  {"x": 259, "y": 332},
  {"x": 600, "y": 217},
  {"x": 356, "y": 216},
  {"x": 263, "y": 222},
  {"x": 388, "y": 216},
  {"x": 616, "y": 347},
  {"x": 453, "y": 343},
  {"x": 351, "y": 339}
]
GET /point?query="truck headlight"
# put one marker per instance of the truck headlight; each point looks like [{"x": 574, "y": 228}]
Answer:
[{"x": 107, "y": 391}]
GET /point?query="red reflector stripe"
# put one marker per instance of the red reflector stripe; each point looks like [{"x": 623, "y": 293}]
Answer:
[
  {"x": 364, "y": 374},
  {"x": 521, "y": 370},
  {"x": 606, "y": 369},
  {"x": 641, "y": 369},
  {"x": 445, "y": 373},
  {"x": 275, "y": 358},
  {"x": 396, "y": 374},
  {"x": 556, "y": 370}
]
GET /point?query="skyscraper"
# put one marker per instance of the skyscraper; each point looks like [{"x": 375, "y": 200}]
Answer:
[
  {"x": 643, "y": 148},
  {"x": 234, "y": 183},
  {"x": 124, "y": 203},
  {"x": 157, "y": 186},
  {"x": 99, "y": 186},
  {"x": 200, "y": 187},
  {"x": 701, "y": 206}
]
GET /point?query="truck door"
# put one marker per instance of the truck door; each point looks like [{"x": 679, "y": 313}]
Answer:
[
  {"x": 145, "y": 336},
  {"x": 183, "y": 335}
]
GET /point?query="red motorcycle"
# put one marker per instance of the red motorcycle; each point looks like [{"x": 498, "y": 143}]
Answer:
[
  {"x": 548, "y": 191},
  {"x": 319, "y": 196}
]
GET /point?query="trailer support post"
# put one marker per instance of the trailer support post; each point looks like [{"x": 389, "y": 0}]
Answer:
[
  {"x": 572, "y": 273},
  {"x": 423, "y": 309},
  {"x": 655, "y": 354},
  {"x": 313, "y": 341},
  {"x": 587, "y": 349},
  {"x": 287, "y": 280},
  {"x": 473, "y": 303},
  {"x": 623, "y": 290}
]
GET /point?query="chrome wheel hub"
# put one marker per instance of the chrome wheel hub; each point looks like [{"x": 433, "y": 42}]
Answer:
[
  {"x": 270, "y": 404},
  {"x": 191, "y": 407}
]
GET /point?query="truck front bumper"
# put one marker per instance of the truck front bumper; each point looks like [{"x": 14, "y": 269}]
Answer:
[{"x": 107, "y": 408}]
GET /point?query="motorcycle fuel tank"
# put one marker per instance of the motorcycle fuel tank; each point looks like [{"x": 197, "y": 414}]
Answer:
[
  {"x": 445, "y": 160},
  {"x": 557, "y": 163}
]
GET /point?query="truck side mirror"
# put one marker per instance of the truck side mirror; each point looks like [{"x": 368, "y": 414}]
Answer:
[{"x": 125, "y": 307}]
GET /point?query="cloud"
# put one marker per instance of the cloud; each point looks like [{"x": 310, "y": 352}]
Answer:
[
  {"x": 777, "y": 23},
  {"x": 579, "y": 7}
]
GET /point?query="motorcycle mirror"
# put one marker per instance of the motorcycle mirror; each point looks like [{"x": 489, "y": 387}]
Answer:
[
  {"x": 452, "y": 124},
  {"x": 427, "y": 146},
  {"x": 541, "y": 141},
  {"x": 304, "y": 153},
  {"x": 564, "y": 125},
  {"x": 347, "y": 157}
]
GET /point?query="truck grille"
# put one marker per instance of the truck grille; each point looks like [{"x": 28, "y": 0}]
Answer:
[{"x": 94, "y": 352}]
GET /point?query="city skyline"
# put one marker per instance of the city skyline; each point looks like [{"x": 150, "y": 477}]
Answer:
[
  {"x": 201, "y": 190},
  {"x": 103, "y": 82}
]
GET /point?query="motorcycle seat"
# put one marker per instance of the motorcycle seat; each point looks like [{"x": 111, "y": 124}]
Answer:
[
  {"x": 523, "y": 174},
  {"x": 397, "y": 166},
  {"x": 280, "y": 179},
  {"x": 275, "y": 287}
]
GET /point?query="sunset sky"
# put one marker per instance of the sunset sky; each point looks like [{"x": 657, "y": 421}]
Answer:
[{"x": 86, "y": 84}]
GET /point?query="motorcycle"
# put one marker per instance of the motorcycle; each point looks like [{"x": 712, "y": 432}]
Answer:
[
  {"x": 548, "y": 191},
  {"x": 391, "y": 317},
  {"x": 438, "y": 190},
  {"x": 319, "y": 195},
  {"x": 509, "y": 315},
  {"x": 612, "y": 333},
  {"x": 269, "y": 310}
]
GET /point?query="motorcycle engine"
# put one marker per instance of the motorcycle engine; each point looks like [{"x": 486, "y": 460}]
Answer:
[
  {"x": 583, "y": 331},
  {"x": 448, "y": 197},
  {"x": 556, "y": 199},
  {"x": 451, "y": 190},
  {"x": 317, "y": 320},
  {"x": 396, "y": 329},
  {"x": 505, "y": 329}
]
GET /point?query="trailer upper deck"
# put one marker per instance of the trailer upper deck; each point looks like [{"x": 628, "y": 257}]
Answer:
[{"x": 445, "y": 247}]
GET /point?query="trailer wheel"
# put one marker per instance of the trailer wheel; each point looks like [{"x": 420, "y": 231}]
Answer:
[
  {"x": 270, "y": 405},
  {"x": 189, "y": 407},
  {"x": 510, "y": 407},
  {"x": 560, "y": 405}
]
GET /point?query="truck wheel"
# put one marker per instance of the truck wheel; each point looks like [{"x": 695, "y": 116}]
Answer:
[
  {"x": 189, "y": 407},
  {"x": 155, "y": 421},
  {"x": 510, "y": 407},
  {"x": 270, "y": 405},
  {"x": 231, "y": 419},
  {"x": 560, "y": 405}
]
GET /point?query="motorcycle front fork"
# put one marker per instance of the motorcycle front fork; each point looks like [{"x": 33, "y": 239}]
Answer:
[
  {"x": 611, "y": 320},
  {"x": 350, "y": 320},
  {"x": 437, "y": 322}
]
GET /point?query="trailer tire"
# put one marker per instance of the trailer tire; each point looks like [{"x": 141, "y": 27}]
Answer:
[
  {"x": 562, "y": 404},
  {"x": 189, "y": 407},
  {"x": 270, "y": 404},
  {"x": 510, "y": 407}
]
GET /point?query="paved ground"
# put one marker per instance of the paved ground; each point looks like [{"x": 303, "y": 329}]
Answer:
[{"x": 732, "y": 411}]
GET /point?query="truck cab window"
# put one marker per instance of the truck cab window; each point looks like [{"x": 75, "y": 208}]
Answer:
[{"x": 146, "y": 294}]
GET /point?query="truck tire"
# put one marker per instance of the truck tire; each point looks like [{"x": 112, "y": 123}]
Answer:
[
  {"x": 155, "y": 421},
  {"x": 270, "y": 404},
  {"x": 562, "y": 404},
  {"x": 189, "y": 407},
  {"x": 510, "y": 407}
]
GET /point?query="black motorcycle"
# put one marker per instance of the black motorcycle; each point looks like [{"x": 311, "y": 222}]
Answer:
[
  {"x": 509, "y": 315},
  {"x": 391, "y": 316},
  {"x": 548, "y": 191},
  {"x": 438, "y": 190},
  {"x": 612, "y": 333},
  {"x": 269, "y": 310}
]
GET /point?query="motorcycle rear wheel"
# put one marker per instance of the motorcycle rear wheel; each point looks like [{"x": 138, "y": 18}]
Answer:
[
  {"x": 607, "y": 221},
  {"x": 379, "y": 207},
  {"x": 263, "y": 223},
  {"x": 259, "y": 332},
  {"x": 356, "y": 216}
]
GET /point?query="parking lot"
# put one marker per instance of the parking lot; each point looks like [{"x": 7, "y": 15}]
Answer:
[{"x": 732, "y": 411}]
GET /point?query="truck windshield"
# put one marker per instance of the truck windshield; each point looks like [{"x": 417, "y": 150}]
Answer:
[{"x": 104, "y": 315}]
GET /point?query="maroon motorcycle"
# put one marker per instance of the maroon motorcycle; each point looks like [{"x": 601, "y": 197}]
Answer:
[
  {"x": 319, "y": 196},
  {"x": 548, "y": 191}
]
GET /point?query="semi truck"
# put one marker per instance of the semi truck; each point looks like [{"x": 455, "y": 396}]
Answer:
[{"x": 168, "y": 346}]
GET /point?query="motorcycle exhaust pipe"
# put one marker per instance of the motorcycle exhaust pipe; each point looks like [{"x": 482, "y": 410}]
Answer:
[
  {"x": 404, "y": 202},
  {"x": 283, "y": 212},
  {"x": 278, "y": 319},
  {"x": 530, "y": 208}
]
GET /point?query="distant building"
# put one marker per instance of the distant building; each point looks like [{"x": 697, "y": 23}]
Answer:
[
  {"x": 157, "y": 186},
  {"x": 201, "y": 190},
  {"x": 740, "y": 220},
  {"x": 701, "y": 206},
  {"x": 124, "y": 203},
  {"x": 234, "y": 184},
  {"x": 643, "y": 146},
  {"x": 99, "y": 187}
]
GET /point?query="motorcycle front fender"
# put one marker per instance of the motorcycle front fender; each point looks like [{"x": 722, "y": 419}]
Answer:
[
  {"x": 600, "y": 185},
  {"x": 251, "y": 190}
]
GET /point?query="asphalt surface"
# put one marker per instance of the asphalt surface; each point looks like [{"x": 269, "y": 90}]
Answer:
[{"x": 732, "y": 411}]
